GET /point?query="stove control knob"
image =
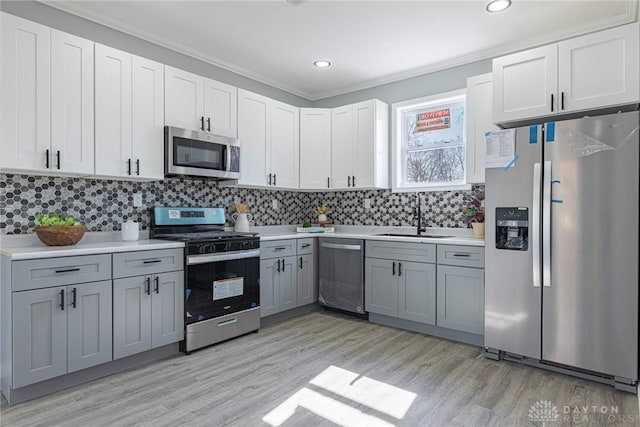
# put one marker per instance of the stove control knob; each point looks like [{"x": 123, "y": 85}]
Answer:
[{"x": 202, "y": 249}]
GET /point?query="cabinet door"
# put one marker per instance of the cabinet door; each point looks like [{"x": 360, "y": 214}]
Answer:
[
  {"x": 131, "y": 316},
  {"x": 147, "y": 121},
  {"x": 307, "y": 288},
  {"x": 72, "y": 103},
  {"x": 167, "y": 308},
  {"x": 380, "y": 287},
  {"x": 479, "y": 122},
  {"x": 39, "y": 335},
  {"x": 269, "y": 292},
  {"x": 341, "y": 146},
  {"x": 254, "y": 117},
  {"x": 89, "y": 324},
  {"x": 287, "y": 284},
  {"x": 315, "y": 148},
  {"x": 599, "y": 69},
  {"x": 524, "y": 83},
  {"x": 284, "y": 144},
  {"x": 25, "y": 95},
  {"x": 113, "y": 111},
  {"x": 364, "y": 144},
  {"x": 417, "y": 292},
  {"x": 184, "y": 99},
  {"x": 461, "y": 299},
  {"x": 221, "y": 108}
]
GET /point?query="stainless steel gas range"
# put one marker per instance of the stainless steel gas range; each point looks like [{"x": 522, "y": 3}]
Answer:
[{"x": 222, "y": 274}]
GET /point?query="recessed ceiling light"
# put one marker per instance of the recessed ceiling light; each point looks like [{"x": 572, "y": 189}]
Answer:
[
  {"x": 322, "y": 63},
  {"x": 296, "y": 2},
  {"x": 498, "y": 5}
]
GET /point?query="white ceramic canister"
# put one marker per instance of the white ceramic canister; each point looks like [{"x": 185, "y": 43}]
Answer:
[
  {"x": 130, "y": 231},
  {"x": 241, "y": 221}
]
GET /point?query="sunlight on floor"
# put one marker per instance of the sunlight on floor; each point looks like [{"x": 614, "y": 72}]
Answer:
[{"x": 379, "y": 396}]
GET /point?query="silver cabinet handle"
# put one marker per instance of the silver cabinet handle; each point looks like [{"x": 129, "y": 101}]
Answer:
[
  {"x": 546, "y": 226},
  {"x": 337, "y": 246},
  {"x": 535, "y": 225}
]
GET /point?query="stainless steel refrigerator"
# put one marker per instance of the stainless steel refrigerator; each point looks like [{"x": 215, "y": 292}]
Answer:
[{"x": 562, "y": 249}]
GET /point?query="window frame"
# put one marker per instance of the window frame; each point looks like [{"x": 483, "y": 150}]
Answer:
[{"x": 398, "y": 112}]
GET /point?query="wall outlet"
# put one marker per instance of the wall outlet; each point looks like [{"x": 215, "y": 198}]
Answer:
[
  {"x": 137, "y": 200},
  {"x": 367, "y": 203},
  {"x": 274, "y": 204}
]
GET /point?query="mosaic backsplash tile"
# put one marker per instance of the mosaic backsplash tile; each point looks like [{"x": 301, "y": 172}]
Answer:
[{"x": 103, "y": 204}]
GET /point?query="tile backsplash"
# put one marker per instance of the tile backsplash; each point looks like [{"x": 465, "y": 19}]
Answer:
[{"x": 103, "y": 204}]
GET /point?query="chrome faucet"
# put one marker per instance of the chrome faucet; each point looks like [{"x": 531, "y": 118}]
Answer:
[{"x": 417, "y": 212}]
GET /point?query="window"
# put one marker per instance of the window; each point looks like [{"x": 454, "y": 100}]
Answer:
[{"x": 429, "y": 143}]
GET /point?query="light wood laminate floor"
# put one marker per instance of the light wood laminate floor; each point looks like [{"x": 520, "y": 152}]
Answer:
[{"x": 325, "y": 369}]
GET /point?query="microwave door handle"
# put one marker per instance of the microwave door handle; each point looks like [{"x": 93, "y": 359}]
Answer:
[{"x": 226, "y": 159}]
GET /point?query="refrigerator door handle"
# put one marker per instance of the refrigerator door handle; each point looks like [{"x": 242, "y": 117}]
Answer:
[
  {"x": 546, "y": 226},
  {"x": 535, "y": 225}
]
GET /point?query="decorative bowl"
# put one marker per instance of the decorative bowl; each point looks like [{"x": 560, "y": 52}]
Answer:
[{"x": 60, "y": 235}]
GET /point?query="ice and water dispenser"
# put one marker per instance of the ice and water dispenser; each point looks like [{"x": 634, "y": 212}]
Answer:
[{"x": 512, "y": 229}]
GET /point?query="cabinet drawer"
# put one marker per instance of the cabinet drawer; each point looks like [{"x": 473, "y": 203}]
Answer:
[
  {"x": 464, "y": 256},
  {"x": 129, "y": 264},
  {"x": 401, "y": 251},
  {"x": 278, "y": 249},
  {"x": 305, "y": 246},
  {"x": 44, "y": 273}
]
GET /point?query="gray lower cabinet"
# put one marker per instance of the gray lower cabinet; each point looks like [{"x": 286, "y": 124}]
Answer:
[
  {"x": 287, "y": 280},
  {"x": 461, "y": 288},
  {"x": 307, "y": 291},
  {"x": 380, "y": 287},
  {"x": 417, "y": 292},
  {"x": 403, "y": 286},
  {"x": 148, "y": 312},
  {"x": 278, "y": 285},
  {"x": 60, "y": 330}
]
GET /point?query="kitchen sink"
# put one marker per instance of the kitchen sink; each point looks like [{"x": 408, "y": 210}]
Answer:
[{"x": 430, "y": 236}]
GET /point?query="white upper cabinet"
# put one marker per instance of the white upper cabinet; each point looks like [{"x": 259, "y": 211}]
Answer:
[
  {"x": 591, "y": 72},
  {"x": 26, "y": 94},
  {"x": 600, "y": 69},
  {"x": 221, "y": 108},
  {"x": 341, "y": 146},
  {"x": 315, "y": 148},
  {"x": 525, "y": 84},
  {"x": 147, "y": 120},
  {"x": 269, "y": 135},
  {"x": 47, "y": 99},
  {"x": 254, "y": 126},
  {"x": 113, "y": 112},
  {"x": 199, "y": 103},
  {"x": 72, "y": 142},
  {"x": 360, "y": 146},
  {"x": 129, "y": 115},
  {"x": 479, "y": 122}
]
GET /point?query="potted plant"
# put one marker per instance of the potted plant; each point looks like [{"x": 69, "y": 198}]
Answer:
[{"x": 474, "y": 214}]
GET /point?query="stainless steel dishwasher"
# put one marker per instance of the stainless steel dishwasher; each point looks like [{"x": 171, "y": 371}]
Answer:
[{"x": 341, "y": 274}]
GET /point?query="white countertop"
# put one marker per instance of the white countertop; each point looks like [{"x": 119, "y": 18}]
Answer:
[
  {"x": 18, "y": 247},
  {"x": 460, "y": 236}
]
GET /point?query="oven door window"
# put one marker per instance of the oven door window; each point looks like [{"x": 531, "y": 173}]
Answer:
[
  {"x": 198, "y": 154},
  {"x": 220, "y": 288}
]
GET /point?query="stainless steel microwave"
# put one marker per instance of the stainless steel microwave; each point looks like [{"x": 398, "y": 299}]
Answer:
[{"x": 200, "y": 154}]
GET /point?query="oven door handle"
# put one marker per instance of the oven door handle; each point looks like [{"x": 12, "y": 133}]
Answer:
[{"x": 229, "y": 256}]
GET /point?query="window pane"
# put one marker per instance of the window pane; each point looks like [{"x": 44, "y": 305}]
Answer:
[
  {"x": 435, "y": 126},
  {"x": 445, "y": 165}
]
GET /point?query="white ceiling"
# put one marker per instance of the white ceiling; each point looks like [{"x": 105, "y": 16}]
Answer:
[{"x": 368, "y": 42}]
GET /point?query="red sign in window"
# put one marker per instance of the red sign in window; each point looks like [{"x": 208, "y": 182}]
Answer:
[{"x": 433, "y": 120}]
